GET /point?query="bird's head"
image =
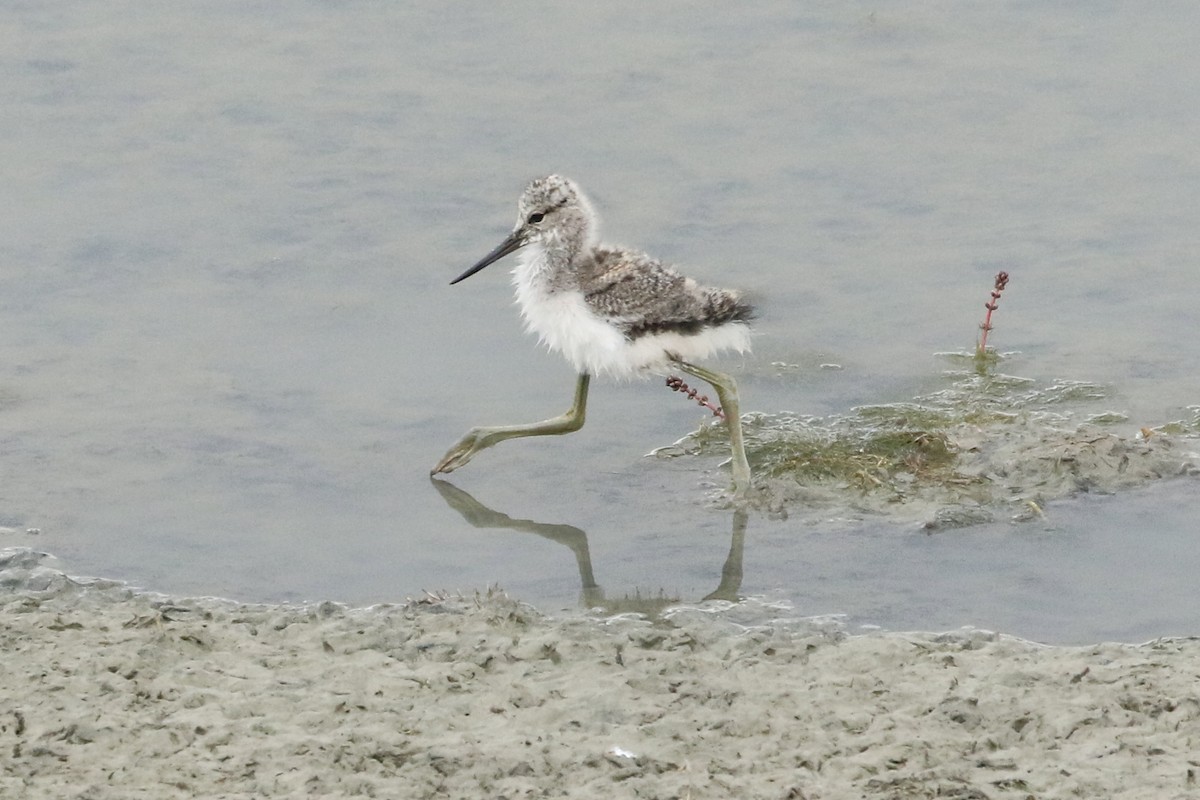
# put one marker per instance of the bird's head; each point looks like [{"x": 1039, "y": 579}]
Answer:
[{"x": 553, "y": 213}]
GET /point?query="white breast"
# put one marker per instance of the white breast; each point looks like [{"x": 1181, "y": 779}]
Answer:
[{"x": 566, "y": 324}]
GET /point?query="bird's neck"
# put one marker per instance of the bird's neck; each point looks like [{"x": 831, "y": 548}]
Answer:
[
  {"x": 550, "y": 265},
  {"x": 541, "y": 270}
]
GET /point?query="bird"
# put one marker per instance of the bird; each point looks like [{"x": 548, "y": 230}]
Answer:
[{"x": 610, "y": 311}]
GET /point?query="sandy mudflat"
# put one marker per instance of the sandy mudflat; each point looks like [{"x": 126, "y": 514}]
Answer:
[{"x": 112, "y": 694}]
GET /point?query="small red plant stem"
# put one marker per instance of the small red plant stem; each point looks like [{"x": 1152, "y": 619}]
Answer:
[
  {"x": 1001, "y": 282},
  {"x": 677, "y": 385}
]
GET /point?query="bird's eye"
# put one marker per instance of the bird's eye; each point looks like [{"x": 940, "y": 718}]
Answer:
[{"x": 536, "y": 217}]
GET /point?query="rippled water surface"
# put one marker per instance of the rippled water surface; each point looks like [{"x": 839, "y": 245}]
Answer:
[{"x": 230, "y": 354}]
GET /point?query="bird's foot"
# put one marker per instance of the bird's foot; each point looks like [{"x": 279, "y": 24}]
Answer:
[{"x": 462, "y": 451}]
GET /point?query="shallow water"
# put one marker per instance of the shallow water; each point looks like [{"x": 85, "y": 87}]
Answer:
[{"x": 231, "y": 356}]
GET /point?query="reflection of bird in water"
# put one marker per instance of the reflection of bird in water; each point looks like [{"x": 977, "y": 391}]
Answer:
[
  {"x": 480, "y": 516},
  {"x": 609, "y": 311}
]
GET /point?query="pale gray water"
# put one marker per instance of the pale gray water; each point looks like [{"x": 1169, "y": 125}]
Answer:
[{"x": 230, "y": 355}]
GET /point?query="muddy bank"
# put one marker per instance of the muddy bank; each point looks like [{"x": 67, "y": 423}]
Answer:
[{"x": 110, "y": 693}]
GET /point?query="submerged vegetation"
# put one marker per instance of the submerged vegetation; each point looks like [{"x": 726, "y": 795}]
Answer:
[{"x": 981, "y": 445}]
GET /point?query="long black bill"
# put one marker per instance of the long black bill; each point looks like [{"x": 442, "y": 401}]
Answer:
[{"x": 515, "y": 241}]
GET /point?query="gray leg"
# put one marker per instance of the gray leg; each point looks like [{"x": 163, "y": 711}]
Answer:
[
  {"x": 727, "y": 393},
  {"x": 478, "y": 439}
]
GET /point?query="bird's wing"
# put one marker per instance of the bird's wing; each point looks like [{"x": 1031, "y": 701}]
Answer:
[{"x": 632, "y": 290}]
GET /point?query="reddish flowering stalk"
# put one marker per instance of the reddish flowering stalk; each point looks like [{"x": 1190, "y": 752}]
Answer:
[
  {"x": 677, "y": 384},
  {"x": 1001, "y": 282}
]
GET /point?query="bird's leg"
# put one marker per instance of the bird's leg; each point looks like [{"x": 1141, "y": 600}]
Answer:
[
  {"x": 482, "y": 438},
  {"x": 727, "y": 393}
]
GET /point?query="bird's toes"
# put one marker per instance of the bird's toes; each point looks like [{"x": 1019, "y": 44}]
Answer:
[
  {"x": 450, "y": 462},
  {"x": 458, "y": 455}
]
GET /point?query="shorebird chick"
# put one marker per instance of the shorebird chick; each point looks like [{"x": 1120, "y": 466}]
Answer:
[{"x": 609, "y": 311}]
